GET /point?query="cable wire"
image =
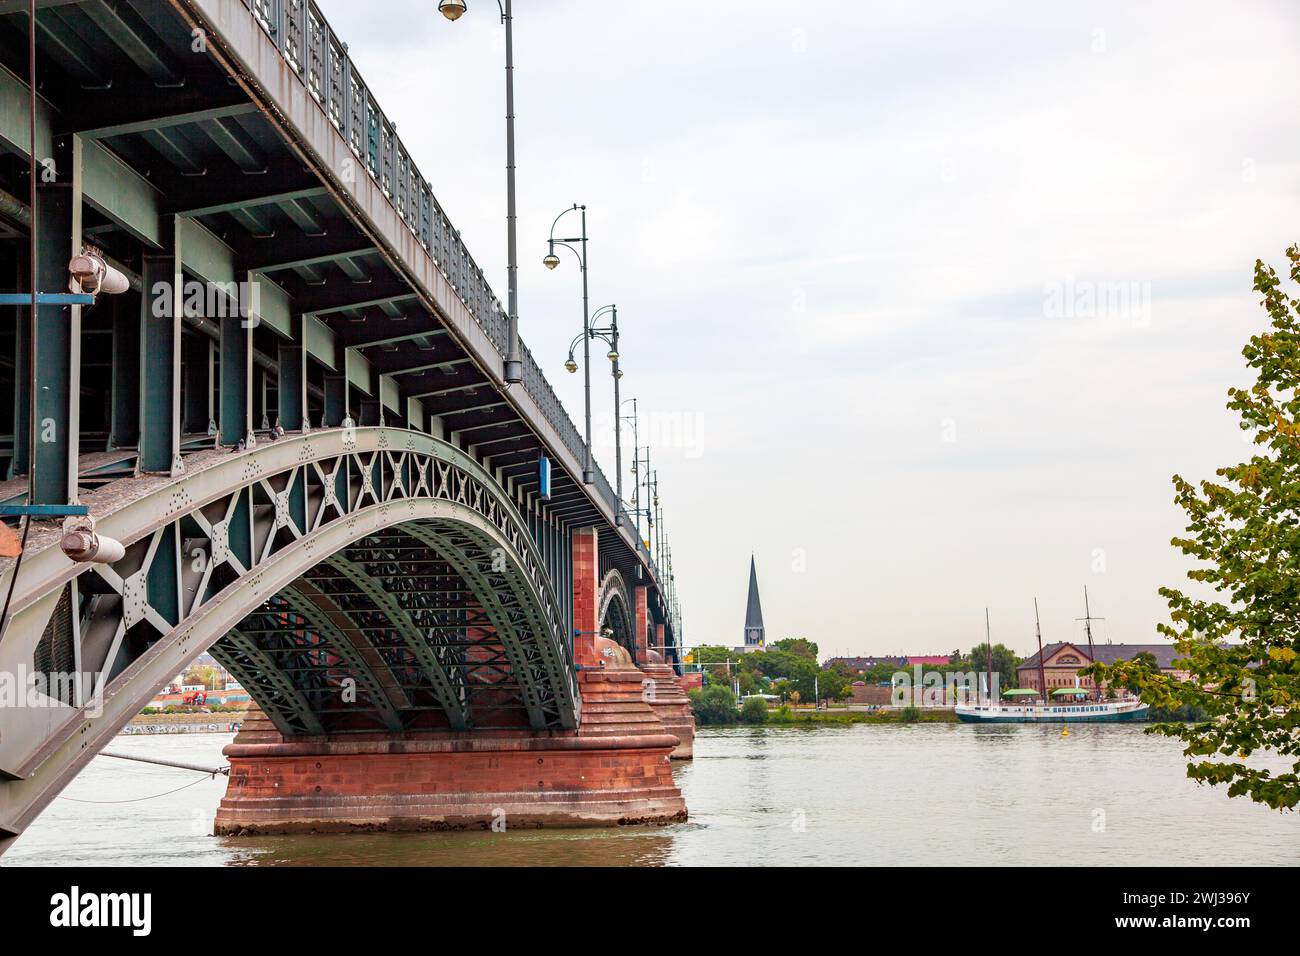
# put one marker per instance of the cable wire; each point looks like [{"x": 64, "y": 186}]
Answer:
[{"x": 139, "y": 799}]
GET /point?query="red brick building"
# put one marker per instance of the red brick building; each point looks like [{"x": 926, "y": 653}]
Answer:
[{"x": 1063, "y": 661}]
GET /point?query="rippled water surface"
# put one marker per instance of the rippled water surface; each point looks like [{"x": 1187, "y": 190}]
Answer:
[{"x": 928, "y": 794}]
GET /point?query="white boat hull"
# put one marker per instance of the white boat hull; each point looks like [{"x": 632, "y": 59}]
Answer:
[{"x": 1091, "y": 712}]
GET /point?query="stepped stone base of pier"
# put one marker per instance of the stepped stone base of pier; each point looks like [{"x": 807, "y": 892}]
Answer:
[
  {"x": 668, "y": 700},
  {"x": 613, "y": 771}
]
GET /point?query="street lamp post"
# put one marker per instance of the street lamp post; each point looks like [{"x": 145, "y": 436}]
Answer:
[
  {"x": 636, "y": 452},
  {"x": 551, "y": 261},
  {"x": 514, "y": 368},
  {"x": 608, "y": 335}
]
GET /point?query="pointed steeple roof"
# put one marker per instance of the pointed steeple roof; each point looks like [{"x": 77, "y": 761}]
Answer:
[{"x": 753, "y": 610}]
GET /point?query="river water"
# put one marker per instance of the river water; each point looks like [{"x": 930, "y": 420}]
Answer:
[{"x": 863, "y": 794}]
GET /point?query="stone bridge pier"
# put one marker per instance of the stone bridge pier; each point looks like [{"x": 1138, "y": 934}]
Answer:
[{"x": 613, "y": 769}]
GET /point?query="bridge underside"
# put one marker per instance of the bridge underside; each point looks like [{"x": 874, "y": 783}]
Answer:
[
  {"x": 406, "y": 629},
  {"x": 314, "y": 464}
]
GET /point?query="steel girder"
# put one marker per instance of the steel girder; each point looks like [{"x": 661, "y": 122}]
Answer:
[
  {"x": 211, "y": 552},
  {"x": 420, "y": 636}
]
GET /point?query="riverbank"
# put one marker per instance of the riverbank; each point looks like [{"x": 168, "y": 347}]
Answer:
[{"x": 198, "y": 722}]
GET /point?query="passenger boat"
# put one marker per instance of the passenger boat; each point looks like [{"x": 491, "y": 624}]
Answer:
[
  {"x": 1100, "y": 711},
  {"x": 1024, "y": 706}
]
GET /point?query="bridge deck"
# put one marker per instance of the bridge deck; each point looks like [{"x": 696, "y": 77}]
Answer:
[{"x": 266, "y": 159}]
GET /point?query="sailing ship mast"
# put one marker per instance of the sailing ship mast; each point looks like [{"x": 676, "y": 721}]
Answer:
[
  {"x": 1042, "y": 679},
  {"x": 1087, "y": 628},
  {"x": 988, "y": 648}
]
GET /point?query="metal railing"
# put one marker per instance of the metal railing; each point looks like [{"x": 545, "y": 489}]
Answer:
[{"x": 320, "y": 59}]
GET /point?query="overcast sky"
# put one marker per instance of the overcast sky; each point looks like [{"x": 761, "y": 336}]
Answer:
[{"x": 923, "y": 303}]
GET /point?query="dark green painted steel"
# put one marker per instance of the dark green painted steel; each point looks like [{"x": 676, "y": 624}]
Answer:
[
  {"x": 160, "y": 344},
  {"x": 292, "y": 387},
  {"x": 126, "y": 385},
  {"x": 57, "y": 329},
  {"x": 236, "y": 381},
  {"x": 22, "y": 376},
  {"x": 164, "y": 577},
  {"x": 197, "y": 373},
  {"x": 371, "y": 411},
  {"x": 336, "y": 400}
]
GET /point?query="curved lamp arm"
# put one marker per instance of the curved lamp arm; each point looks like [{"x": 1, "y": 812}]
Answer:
[
  {"x": 552, "y": 243},
  {"x": 574, "y": 208}
]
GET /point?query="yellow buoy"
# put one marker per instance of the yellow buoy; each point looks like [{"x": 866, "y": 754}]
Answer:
[{"x": 1065, "y": 731}]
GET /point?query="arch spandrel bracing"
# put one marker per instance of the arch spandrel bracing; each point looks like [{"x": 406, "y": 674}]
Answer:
[{"x": 415, "y": 599}]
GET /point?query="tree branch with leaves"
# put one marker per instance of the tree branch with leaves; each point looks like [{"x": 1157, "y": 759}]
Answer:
[{"x": 1239, "y": 637}]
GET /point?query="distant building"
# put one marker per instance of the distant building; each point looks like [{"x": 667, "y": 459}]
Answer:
[
  {"x": 860, "y": 665},
  {"x": 755, "y": 635},
  {"x": 1063, "y": 661},
  {"x": 929, "y": 660}
]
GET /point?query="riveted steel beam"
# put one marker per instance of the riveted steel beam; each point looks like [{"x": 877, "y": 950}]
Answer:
[
  {"x": 155, "y": 120},
  {"x": 329, "y": 300},
  {"x": 460, "y": 553},
  {"x": 306, "y": 218},
  {"x": 292, "y": 386},
  {"x": 57, "y": 331},
  {"x": 125, "y": 27},
  {"x": 274, "y": 692},
  {"x": 63, "y": 44},
  {"x": 430, "y": 664},
  {"x": 350, "y": 643},
  {"x": 199, "y": 368},
  {"x": 236, "y": 417},
  {"x": 361, "y": 339},
  {"x": 232, "y": 141},
  {"x": 255, "y": 220},
  {"x": 176, "y": 149},
  {"x": 252, "y": 198},
  {"x": 124, "y": 387},
  {"x": 160, "y": 360},
  {"x": 311, "y": 251}
]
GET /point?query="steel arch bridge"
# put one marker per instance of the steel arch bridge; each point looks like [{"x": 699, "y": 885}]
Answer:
[
  {"x": 318, "y": 473},
  {"x": 379, "y": 557}
]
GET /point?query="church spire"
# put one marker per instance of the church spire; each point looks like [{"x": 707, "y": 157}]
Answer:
[{"x": 754, "y": 631}]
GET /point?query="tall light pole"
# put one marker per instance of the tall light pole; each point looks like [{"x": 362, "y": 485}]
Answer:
[
  {"x": 551, "y": 261},
  {"x": 608, "y": 335},
  {"x": 636, "y": 452},
  {"x": 514, "y": 368},
  {"x": 649, "y": 510}
]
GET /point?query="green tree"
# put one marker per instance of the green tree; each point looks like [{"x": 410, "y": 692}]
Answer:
[
  {"x": 1241, "y": 644},
  {"x": 710, "y": 654},
  {"x": 754, "y": 711},
  {"x": 797, "y": 646},
  {"x": 713, "y": 706},
  {"x": 835, "y": 682},
  {"x": 1005, "y": 662},
  {"x": 1144, "y": 662}
]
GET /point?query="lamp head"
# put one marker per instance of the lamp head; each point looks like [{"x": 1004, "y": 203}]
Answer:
[
  {"x": 551, "y": 260},
  {"x": 451, "y": 9},
  {"x": 571, "y": 365},
  {"x": 612, "y": 355}
]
